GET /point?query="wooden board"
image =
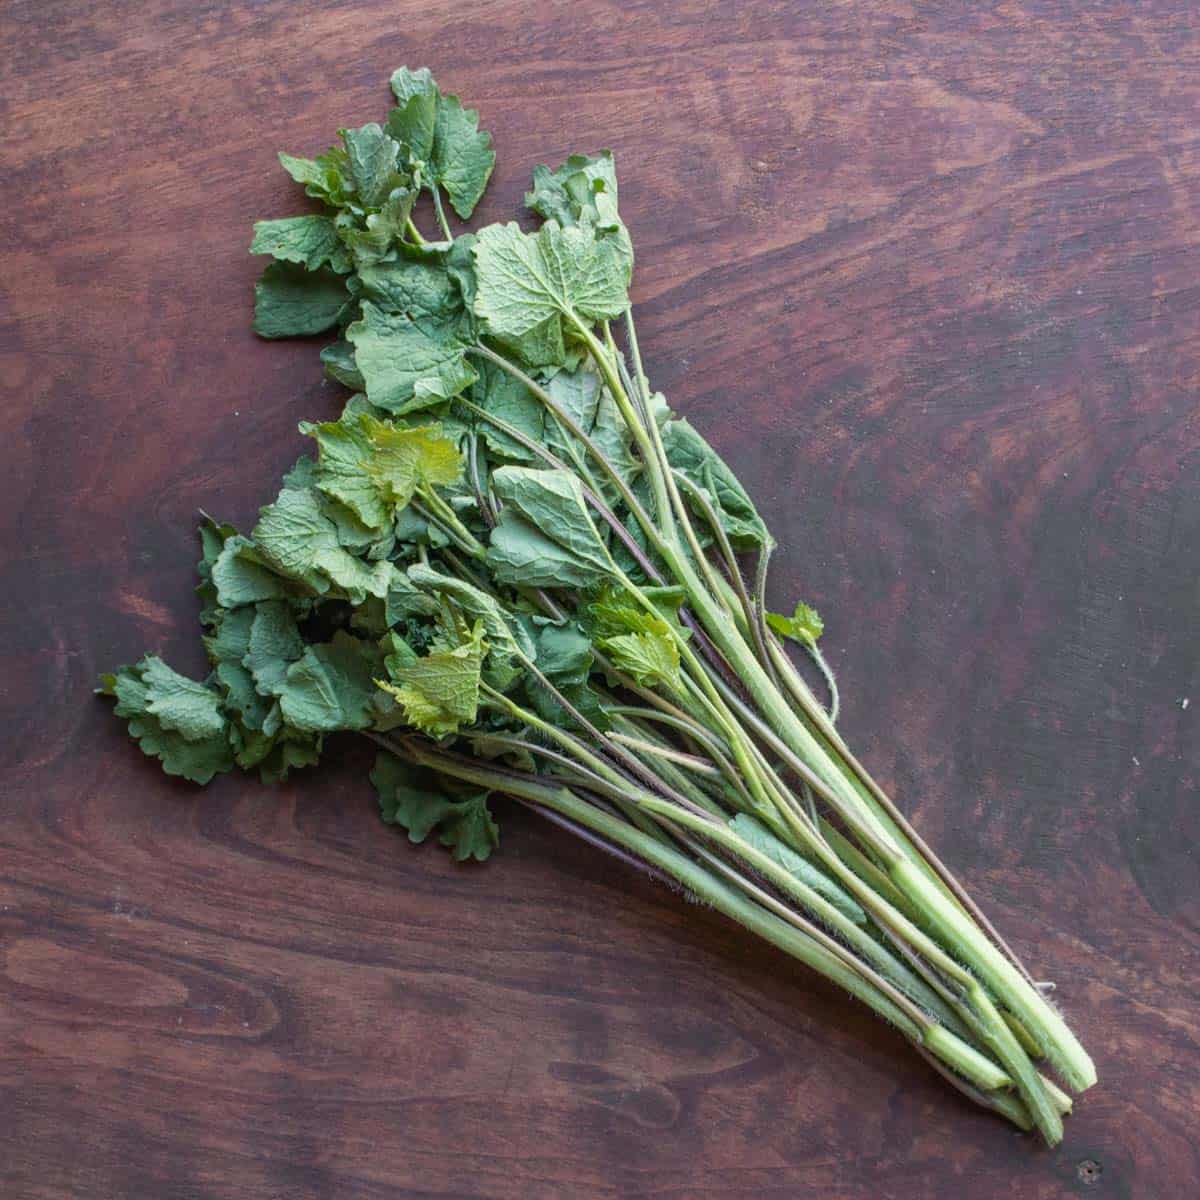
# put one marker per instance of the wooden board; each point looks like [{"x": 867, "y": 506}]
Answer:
[{"x": 927, "y": 274}]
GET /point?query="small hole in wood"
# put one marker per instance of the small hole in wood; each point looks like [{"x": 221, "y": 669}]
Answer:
[{"x": 1089, "y": 1172}]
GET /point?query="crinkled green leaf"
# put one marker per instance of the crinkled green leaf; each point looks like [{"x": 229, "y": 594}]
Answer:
[
  {"x": 521, "y": 555},
  {"x": 416, "y": 800},
  {"x": 404, "y": 599},
  {"x": 583, "y": 191},
  {"x": 372, "y": 157},
  {"x": 290, "y": 301},
  {"x": 545, "y": 537},
  {"x": 286, "y": 751},
  {"x": 614, "y": 612},
  {"x": 230, "y": 636},
  {"x": 412, "y": 123},
  {"x": 540, "y": 283},
  {"x": 439, "y": 693},
  {"x": 804, "y": 625},
  {"x": 756, "y": 834},
  {"x": 273, "y": 643},
  {"x": 379, "y": 232},
  {"x": 331, "y": 686},
  {"x": 213, "y": 537},
  {"x": 297, "y": 539},
  {"x": 443, "y": 139},
  {"x": 311, "y": 240},
  {"x": 509, "y": 400},
  {"x": 327, "y": 177},
  {"x": 463, "y": 157},
  {"x": 689, "y": 453},
  {"x": 172, "y": 718},
  {"x": 180, "y": 704},
  {"x": 241, "y": 576},
  {"x": 407, "y": 365},
  {"x": 587, "y": 402},
  {"x": 226, "y": 647},
  {"x": 407, "y": 458},
  {"x": 652, "y": 658},
  {"x": 427, "y": 284},
  {"x": 564, "y": 657},
  {"x": 338, "y": 360},
  {"x": 353, "y": 534},
  {"x": 507, "y": 641},
  {"x": 374, "y": 467},
  {"x": 562, "y": 652}
]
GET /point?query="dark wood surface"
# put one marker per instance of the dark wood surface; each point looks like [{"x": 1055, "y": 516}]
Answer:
[{"x": 927, "y": 274}]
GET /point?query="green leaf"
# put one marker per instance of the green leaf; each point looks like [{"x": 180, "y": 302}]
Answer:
[
  {"x": 380, "y": 231},
  {"x": 425, "y": 283},
  {"x": 614, "y": 612},
  {"x": 290, "y": 301},
  {"x": 756, "y": 834},
  {"x": 690, "y": 454},
  {"x": 296, "y": 538},
  {"x": 412, "y": 124},
  {"x": 587, "y": 402},
  {"x": 804, "y": 625},
  {"x": 508, "y": 399},
  {"x": 652, "y": 658},
  {"x": 583, "y": 191},
  {"x": 404, "y": 599},
  {"x": 375, "y": 467},
  {"x": 339, "y": 363},
  {"x": 287, "y": 751},
  {"x": 531, "y": 284},
  {"x": 325, "y": 178},
  {"x": 346, "y": 449},
  {"x": 439, "y": 693},
  {"x": 407, "y": 366},
  {"x": 240, "y": 575},
  {"x": 563, "y": 653},
  {"x": 407, "y": 83},
  {"x": 415, "y": 800},
  {"x": 273, "y": 643},
  {"x": 552, "y": 501},
  {"x": 507, "y": 641},
  {"x": 443, "y": 139},
  {"x": 372, "y": 157},
  {"x": 179, "y": 703},
  {"x": 226, "y": 648},
  {"x": 564, "y": 657},
  {"x": 331, "y": 687},
  {"x": 463, "y": 157},
  {"x": 359, "y": 539},
  {"x": 405, "y": 459},
  {"x": 172, "y": 718},
  {"x": 212, "y": 541},
  {"x": 312, "y": 241}
]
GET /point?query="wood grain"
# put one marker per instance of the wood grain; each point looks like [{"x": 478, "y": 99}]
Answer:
[{"x": 927, "y": 274}]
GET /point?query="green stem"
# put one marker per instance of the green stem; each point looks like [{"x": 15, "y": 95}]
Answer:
[
  {"x": 643, "y": 518},
  {"x": 658, "y": 485},
  {"x": 447, "y": 517},
  {"x": 702, "y": 884},
  {"x": 687, "y": 761},
  {"x": 854, "y": 935},
  {"x": 441, "y": 212},
  {"x": 957, "y": 930},
  {"x": 888, "y": 814}
]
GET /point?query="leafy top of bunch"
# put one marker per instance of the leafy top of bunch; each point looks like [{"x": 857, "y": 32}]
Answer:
[{"x": 404, "y": 576}]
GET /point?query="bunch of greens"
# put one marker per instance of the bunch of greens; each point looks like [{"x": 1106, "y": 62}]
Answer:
[{"x": 516, "y": 570}]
